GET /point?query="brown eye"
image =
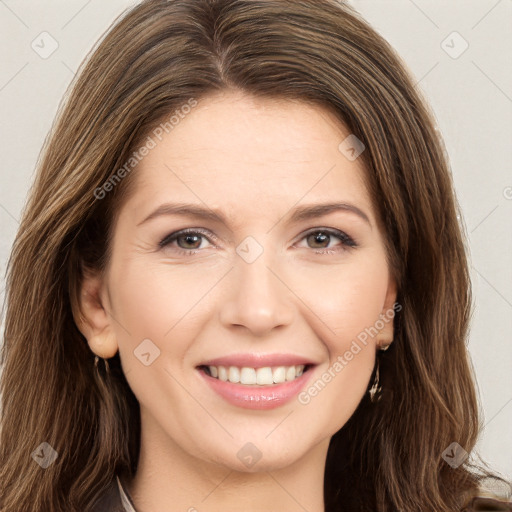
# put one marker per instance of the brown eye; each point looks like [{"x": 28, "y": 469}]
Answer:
[
  {"x": 320, "y": 239},
  {"x": 188, "y": 241}
]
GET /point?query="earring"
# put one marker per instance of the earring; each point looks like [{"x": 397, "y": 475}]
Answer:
[
  {"x": 385, "y": 347},
  {"x": 107, "y": 367},
  {"x": 376, "y": 389}
]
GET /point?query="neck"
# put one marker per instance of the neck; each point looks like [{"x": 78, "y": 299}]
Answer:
[{"x": 168, "y": 478}]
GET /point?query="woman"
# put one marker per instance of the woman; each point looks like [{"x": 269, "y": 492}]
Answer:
[{"x": 220, "y": 375}]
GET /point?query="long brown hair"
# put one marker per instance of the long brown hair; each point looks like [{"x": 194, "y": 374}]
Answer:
[{"x": 158, "y": 57}]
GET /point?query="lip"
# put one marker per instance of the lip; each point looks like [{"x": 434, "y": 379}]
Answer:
[
  {"x": 257, "y": 397},
  {"x": 259, "y": 360}
]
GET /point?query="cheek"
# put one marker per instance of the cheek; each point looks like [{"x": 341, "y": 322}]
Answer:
[
  {"x": 348, "y": 299},
  {"x": 166, "y": 304},
  {"x": 161, "y": 303},
  {"x": 141, "y": 300},
  {"x": 150, "y": 298}
]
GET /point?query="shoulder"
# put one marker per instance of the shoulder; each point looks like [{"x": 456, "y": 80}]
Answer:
[{"x": 109, "y": 500}]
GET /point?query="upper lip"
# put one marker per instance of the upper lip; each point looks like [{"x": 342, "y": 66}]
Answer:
[{"x": 258, "y": 360}]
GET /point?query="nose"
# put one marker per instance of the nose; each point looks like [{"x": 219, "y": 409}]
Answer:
[{"x": 258, "y": 298}]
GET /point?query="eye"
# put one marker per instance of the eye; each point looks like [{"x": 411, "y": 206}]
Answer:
[
  {"x": 189, "y": 240},
  {"x": 190, "y": 237},
  {"x": 319, "y": 236}
]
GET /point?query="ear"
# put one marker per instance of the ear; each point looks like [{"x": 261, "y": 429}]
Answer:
[
  {"x": 385, "y": 336},
  {"x": 93, "y": 317}
]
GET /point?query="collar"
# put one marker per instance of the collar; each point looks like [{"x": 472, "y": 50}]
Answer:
[{"x": 125, "y": 497}]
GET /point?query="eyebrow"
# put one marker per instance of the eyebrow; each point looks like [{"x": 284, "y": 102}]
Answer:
[{"x": 299, "y": 214}]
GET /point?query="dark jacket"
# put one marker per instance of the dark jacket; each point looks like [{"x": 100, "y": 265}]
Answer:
[{"x": 111, "y": 501}]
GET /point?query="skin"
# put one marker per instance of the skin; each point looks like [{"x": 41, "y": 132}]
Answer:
[{"x": 255, "y": 160}]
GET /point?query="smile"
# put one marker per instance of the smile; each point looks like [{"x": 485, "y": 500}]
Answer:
[
  {"x": 265, "y": 376},
  {"x": 254, "y": 388}
]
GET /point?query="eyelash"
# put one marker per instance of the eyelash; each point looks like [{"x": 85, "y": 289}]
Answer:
[{"x": 347, "y": 241}]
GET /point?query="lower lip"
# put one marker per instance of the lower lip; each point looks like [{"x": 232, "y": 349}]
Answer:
[{"x": 257, "y": 397}]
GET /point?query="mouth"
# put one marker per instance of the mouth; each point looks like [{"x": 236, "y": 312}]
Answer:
[
  {"x": 268, "y": 376},
  {"x": 254, "y": 387}
]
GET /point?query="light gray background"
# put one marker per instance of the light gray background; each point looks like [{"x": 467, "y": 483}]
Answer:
[{"x": 471, "y": 96}]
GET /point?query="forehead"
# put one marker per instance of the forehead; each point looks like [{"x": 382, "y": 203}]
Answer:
[{"x": 240, "y": 152}]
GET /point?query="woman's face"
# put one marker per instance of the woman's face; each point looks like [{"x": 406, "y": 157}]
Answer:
[{"x": 255, "y": 277}]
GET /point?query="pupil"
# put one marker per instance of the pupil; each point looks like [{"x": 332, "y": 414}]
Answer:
[
  {"x": 321, "y": 236},
  {"x": 188, "y": 237}
]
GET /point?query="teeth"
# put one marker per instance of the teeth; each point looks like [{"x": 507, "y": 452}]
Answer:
[
  {"x": 265, "y": 376},
  {"x": 223, "y": 374},
  {"x": 279, "y": 374},
  {"x": 233, "y": 374},
  {"x": 247, "y": 375}
]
